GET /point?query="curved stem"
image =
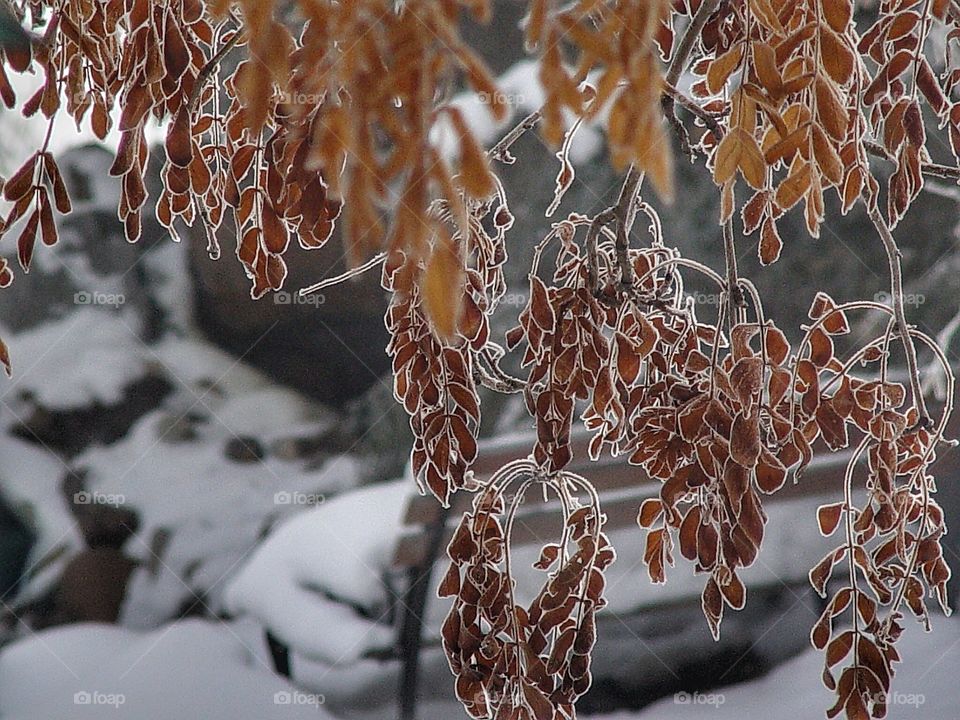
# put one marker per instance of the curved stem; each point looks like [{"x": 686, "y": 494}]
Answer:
[{"x": 896, "y": 292}]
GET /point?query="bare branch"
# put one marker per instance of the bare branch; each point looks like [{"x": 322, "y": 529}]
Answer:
[{"x": 896, "y": 294}]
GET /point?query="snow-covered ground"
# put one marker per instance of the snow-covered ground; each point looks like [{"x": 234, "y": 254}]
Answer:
[
  {"x": 189, "y": 669},
  {"x": 924, "y": 688},
  {"x": 219, "y": 671}
]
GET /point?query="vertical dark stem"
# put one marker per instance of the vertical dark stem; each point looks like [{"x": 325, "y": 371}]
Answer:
[{"x": 414, "y": 607}]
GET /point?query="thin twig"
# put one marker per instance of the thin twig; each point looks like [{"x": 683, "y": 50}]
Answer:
[
  {"x": 501, "y": 151},
  {"x": 624, "y": 212},
  {"x": 931, "y": 169},
  {"x": 679, "y": 60},
  {"x": 709, "y": 119},
  {"x": 494, "y": 378},
  {"x": 208, "y": 70},
  {"x": 896, "y": 294},
  {"x": 600, "y": 221},
  {"x": 353, "y": 272}
]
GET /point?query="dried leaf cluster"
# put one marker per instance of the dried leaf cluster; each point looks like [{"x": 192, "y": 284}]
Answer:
[
  {"x": 513, "y": 660},
  {"x": 282, "y": 114}
]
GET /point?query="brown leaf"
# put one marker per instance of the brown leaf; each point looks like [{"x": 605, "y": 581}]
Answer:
[
  {"x": 821, "y": 348},
  {"x": 821, "y": 572},
  {"x": 754, "y": 211},
  {"x": 836, "y": 56},
  {"x": 721, "y": 68},
  {"x": 777, "y": 346},
  {"x": 765, "y": 64},
  {"x": 838, "y": 14},
  {"x": 739, "y": 150},
  {"x": 711, "y": 602},
  {"x": 830, "y": 109},
  {"x": 179, "y": 143},
  {"x": 5, "y": 359},
  {"x": 27, "y": 239},
  {"x": 930, "y": 87},
  {"x": 688, "y": 533},
  {"x": 903, "y": 23},
  {"x": 475, "y": 177},
  {"x": 745, "y": 440},
  {"x": 442, "y": 288},
  {"x": 770, "y": 242},
  {"x": 771, "y": 473},
  {"x": 839, "y": 647},
  {"x": 795, "y": 186},
  {"x": 828, "y": 518},
  {"x": 275, "y": 235},
  {"x": 60, "y": 195},
  {"x": 828, "y": 160},
  {"x": 540, "y": 309},
  {"x": 48, "y": 229},
  {"x": 650, "y": 511},
  {"x": 787, "y": 147},
  {"x": 21, "y": 182},
  {"x": 450, "y": 585}
]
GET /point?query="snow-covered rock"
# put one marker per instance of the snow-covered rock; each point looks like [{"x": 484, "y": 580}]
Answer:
[
  {"x": 305, "y": 580},
  {"x": 189, "y": 669}
]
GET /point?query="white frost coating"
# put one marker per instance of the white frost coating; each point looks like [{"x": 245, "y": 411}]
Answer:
[
  {"x": 189, "y": 669},
  {"x": 86, "y": 357},
  {"x": 338, "y": 550}
]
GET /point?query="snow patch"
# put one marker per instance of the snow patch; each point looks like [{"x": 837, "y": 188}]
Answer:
[
  {"x": 302, "y": 579},
  {"x": 189, "y": 669}
]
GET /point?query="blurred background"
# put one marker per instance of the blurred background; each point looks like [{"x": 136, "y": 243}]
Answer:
[{"x": 201, "y": 495}]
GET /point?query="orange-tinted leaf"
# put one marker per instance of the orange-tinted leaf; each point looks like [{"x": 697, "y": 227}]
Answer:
[
  {"x": 442, "y": 288},
  {"x": 721, "y": 68}
]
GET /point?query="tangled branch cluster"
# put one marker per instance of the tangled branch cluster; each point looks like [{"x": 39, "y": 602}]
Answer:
[{"x": 282, "y": 114}]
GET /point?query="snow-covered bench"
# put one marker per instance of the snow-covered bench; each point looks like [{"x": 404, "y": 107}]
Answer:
[{"x": 428, "y": 528}]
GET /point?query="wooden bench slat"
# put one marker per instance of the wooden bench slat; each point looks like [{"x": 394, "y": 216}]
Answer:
[{"x": 542, "y": 520}]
